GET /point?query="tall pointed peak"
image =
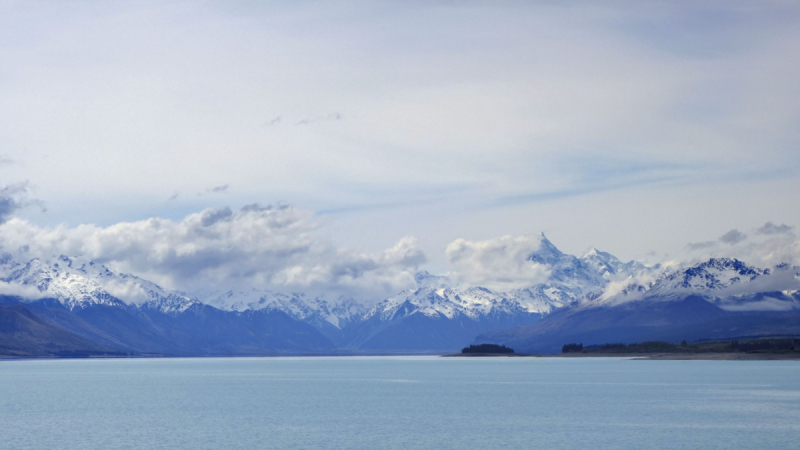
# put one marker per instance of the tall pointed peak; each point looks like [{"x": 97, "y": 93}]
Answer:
[
  {"x": 546, "y": 242},
  {"x": 549, "y": 247},
  {"x": 547, "y": 253}
]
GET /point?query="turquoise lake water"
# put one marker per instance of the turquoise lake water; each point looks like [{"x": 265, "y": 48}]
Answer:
[{"x": 399, "y": 403}]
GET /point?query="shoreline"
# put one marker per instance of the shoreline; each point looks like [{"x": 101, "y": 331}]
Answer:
[
  {"x": 728, "y": 356},
  {"x": 215, "y": 356},
  {"x": 700, "y": 356}
]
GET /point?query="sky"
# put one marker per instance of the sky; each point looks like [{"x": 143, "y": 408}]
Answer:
[{"x": 345, "y": 145}]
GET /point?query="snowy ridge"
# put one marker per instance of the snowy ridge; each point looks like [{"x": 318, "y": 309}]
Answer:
[
  {"x": 566, "y": 269},
  {"x": 595, "y": 279},
  {"x": 338, "y": 313},
  {"x": 440, "y": 311},
  {"x": 70, "y": 285},
  {"x": 711, "y": 275},
  {"x": 570, "y": 278},
  {"x": 609, "y": 267},
  {"x": 727, "y": 282},
  {"x": 472, "y": 302},
  {"x": 79, "y": 284}
]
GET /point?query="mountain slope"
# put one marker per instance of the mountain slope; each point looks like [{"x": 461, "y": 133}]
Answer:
[
  {"x": 609, "y": 267},
  {"x": 631, "y": 322},
  {"x": 206, "y": 330},
  {"x": 443, "y": 318},
  {"x": 82, "y": 297},
  {"x": 198, "y": 331},
  {"x": 23, "y": 333},
  {"x": 329, "y": 317}
]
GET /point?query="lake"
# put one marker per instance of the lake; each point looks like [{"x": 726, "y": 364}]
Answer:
[{"x": 399, "y": 403}]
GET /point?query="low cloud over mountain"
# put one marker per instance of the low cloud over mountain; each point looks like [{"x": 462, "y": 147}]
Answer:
[
  {"x": 501, "y": 262},
  {"x": 765, "y": 246},
  {"x": 281, "y": 248},
  {"x": 255, "y": 246}
]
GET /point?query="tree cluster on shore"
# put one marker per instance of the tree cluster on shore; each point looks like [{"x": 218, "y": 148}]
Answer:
[
  {"x": 572, "y": 348},
  {"x": 754, "y": 345},
  {"x": 487, "y": 348},
  {"x": 766, "y": 344}
]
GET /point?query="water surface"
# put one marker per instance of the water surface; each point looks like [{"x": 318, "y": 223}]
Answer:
[{"x": 399, "y": 403}]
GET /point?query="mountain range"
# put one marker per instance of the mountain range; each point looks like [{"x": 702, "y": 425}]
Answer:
[
  {"x": 82, "y": 306},
  {"x": 714, "y": 299}
]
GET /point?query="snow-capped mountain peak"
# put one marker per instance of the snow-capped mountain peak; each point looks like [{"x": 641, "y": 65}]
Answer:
[
  {"x": 715, "y": 279},
  {"x": 59, "y": 280},
  {"x": 547, "y": 253},
  {"x": 79, "y": 284},
  {"x": 472, "y": 302},
  {"x": 714, "y": 274},
  {"x": 564, "y": 268}
]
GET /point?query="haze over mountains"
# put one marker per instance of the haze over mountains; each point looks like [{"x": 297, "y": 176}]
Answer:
[{"x": 87, "y": 308}]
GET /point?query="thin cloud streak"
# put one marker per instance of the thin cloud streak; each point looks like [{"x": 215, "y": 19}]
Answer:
[{"x": 523, "y": 199}]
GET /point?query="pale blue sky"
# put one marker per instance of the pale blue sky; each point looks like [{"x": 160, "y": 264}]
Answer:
[{"x": 630, "y": 126}]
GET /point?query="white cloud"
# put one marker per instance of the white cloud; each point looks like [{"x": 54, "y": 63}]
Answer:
[
  {"x": 765, "y": 304},
  {"x": 500, "y": 263},
  {"x": 20, "y": 290},
  {"x": 274, "y": 247},
  {"x": 769, "y": 245},
  {"x": 614, "y": 294},
  {"x": 126, "y": 290},
  {"x": 785, "y": 279}
]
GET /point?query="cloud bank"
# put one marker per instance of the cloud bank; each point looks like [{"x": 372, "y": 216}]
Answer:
[
  {"x": 500, "y": 263},
  {"x": 258, "y": 246},
  {"x": 281, "y": 248},
  {"x": 766, "y": 246},
  {"x": 18, "y": 290}
]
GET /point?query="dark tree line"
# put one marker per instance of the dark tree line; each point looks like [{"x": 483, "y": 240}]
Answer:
[
  {"x": 572, "y": 348},
  {"x": 487, "y": 348},
  {"x": 766, "y": 344},
  {"x": 781, "y": 345},
  {"x": 612, "y": 346}
]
